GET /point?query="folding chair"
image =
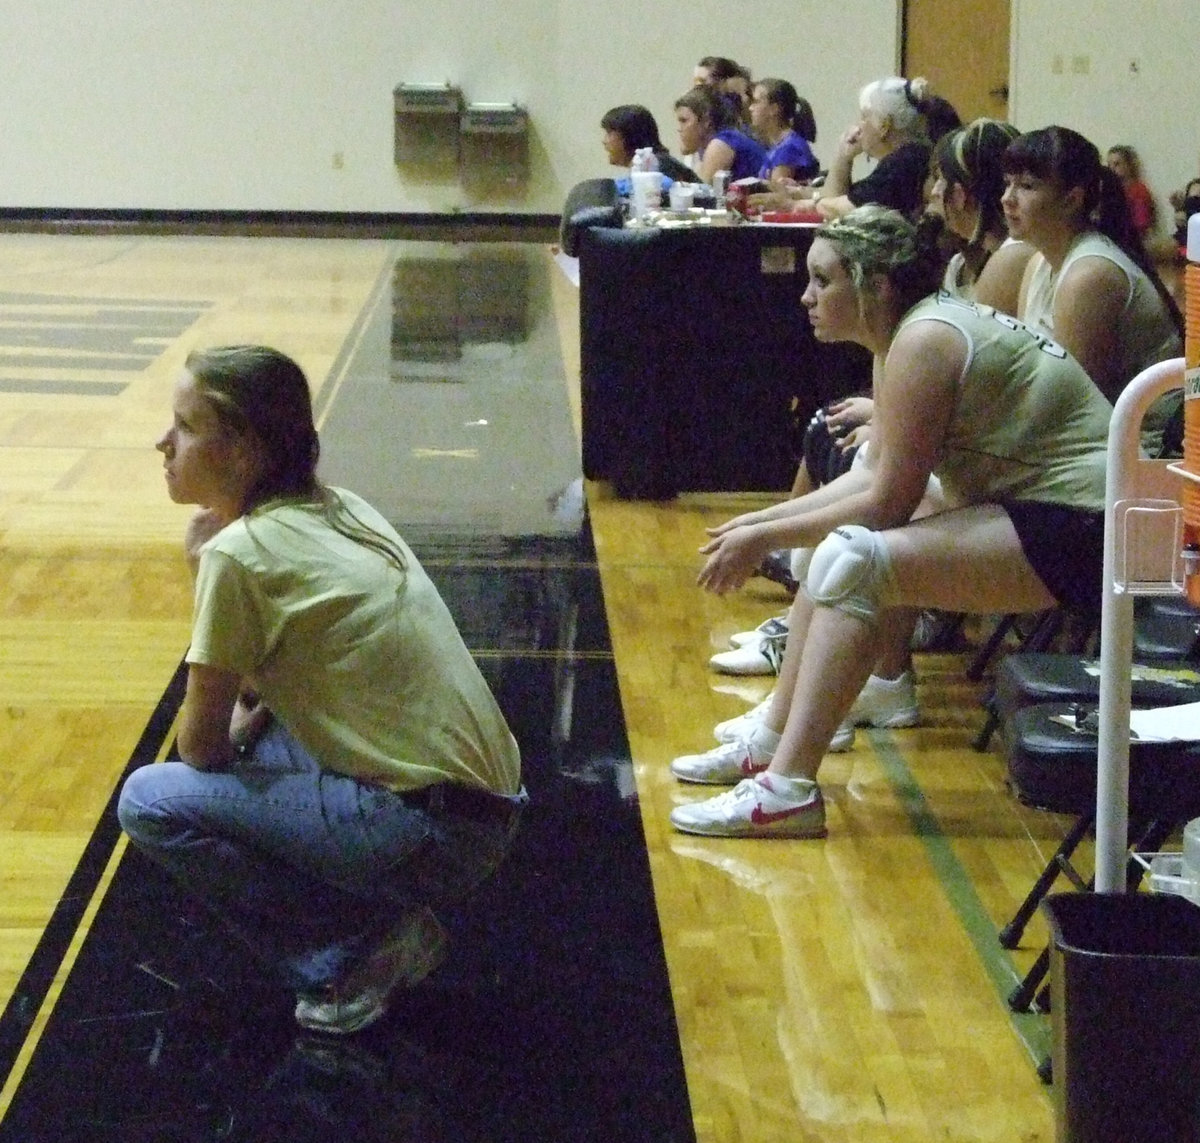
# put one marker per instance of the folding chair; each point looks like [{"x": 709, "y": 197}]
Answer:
[{"x": 1052, "y": 765}]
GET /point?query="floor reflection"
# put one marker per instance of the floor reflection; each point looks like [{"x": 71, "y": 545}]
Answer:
[
  {"x": 468, "y": 434},
  {"x": 454, "y": 308}
]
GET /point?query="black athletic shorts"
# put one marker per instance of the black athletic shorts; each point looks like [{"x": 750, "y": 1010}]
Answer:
[{"x": 1065, "y": 546}]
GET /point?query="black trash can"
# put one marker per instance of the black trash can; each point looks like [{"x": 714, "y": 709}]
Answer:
[{"x": 1125, "y": 1011}]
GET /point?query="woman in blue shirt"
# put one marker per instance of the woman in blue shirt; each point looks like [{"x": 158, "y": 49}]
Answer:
[
  {"x": 707, "y": 130},
  {"x": 784, "y": 121}
]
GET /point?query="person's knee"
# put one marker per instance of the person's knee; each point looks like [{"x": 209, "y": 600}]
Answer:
[
  {"x": 799, "y": 560},
  {"x": 139, "y": 807},
  {"x": 851, "y": 570},
  {"x": 130, "y": 805}
]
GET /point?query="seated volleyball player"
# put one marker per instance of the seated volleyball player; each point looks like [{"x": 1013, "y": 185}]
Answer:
[{"x": 1015, "y": 431}]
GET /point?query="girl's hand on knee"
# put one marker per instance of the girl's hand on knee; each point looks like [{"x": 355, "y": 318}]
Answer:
[
  {"x": 849, "y": 412},
  {"x": 732, "y": 559},
  {"x": 854, "y": 438}
]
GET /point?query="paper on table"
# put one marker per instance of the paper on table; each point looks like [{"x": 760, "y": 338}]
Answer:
[
  {"x": 1167, "y": 723},
  {"x": 569, "y": 266},
  {"x": 1162, "y": 724}
]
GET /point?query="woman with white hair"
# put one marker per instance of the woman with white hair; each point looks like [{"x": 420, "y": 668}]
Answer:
[
  {"x": 892, "y": 130},
  {"x": 1016, "y": 432}
]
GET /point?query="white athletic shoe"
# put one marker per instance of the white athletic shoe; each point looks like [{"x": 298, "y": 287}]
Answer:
[
  {"x": 741, "y": 726},
  {"x": 721, "y": 766},
  {"x": 761, "y": 656},
  {"x": 774, "y": 626},
  {"x": 890, "y": 703},
  {"x": 755, "y": 807}
]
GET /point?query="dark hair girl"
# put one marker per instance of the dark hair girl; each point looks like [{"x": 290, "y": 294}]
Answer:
[
  {"x": 784, "y": 123},
  {"x": 707, "y": 128},
  {"x": 1091, "y": 285},
  {"x": 968, "y": 186}
]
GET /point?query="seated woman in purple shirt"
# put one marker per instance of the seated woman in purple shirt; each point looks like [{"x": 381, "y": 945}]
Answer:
[
  {"x": 706, "y": 129},
  {"x": 784, "y": 121}
]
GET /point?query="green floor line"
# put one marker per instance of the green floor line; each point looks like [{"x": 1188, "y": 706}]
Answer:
[{"x": 1031, "y": 1028}]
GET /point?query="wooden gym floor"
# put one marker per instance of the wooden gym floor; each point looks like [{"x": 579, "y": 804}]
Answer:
[{"x": 620, "y": 981}]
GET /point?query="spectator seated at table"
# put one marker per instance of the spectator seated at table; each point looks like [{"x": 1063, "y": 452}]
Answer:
[
  {"x": 631, "y": 127},
  {"x": 731, "y": 81},
  {"x": 784, "y": 122},
  {"x": 707, "y": 129},
  {"x": 891, "y": 129}
]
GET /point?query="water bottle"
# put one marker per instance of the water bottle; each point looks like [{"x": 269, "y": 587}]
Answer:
[
  {"x": 644, "y": 159},
  {"x": 645, "y": 182}
]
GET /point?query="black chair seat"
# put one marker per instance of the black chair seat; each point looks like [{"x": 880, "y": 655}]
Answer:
[{"x": 1054, "y": 767}]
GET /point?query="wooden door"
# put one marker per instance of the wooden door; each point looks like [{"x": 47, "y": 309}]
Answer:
[{"x": 962, "y": 49}]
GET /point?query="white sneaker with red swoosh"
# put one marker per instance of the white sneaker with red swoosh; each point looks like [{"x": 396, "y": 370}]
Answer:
[
  {"x": 721, "y": 766},
  {"x": 756, "y": 807}
]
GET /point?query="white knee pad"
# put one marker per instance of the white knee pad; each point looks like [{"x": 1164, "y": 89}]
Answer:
[
  {"x": 852, "y": 571},
  {"x": 800, "y": 559}
]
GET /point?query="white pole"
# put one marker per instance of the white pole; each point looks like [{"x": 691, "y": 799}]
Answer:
[{"x": 1116, "y": 628}]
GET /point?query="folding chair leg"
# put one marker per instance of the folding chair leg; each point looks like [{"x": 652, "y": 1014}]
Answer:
[
  {"x": 1010, "y": 935},
  {"x": 1045, "y": 631},
  {"x": 1030, "y": 990},
  {"x": 1151, "y": 840},
  {"x": 1021, "y": 997},
  {"x": 984, "y": 738},
  {"x": 985, "y": 653}
]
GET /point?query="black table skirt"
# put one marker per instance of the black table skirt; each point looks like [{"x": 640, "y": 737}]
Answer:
[{"x": 698, "y": 359}]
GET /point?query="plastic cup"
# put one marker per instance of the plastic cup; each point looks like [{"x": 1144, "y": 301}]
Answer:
[
  {"x": 1191, "y": 859},
  {"x": 680, "y": 196}
]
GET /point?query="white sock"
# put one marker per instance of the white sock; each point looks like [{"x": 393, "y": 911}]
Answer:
[
  {"x": 798, "y": 788},
  {"x": 763, "y": 742}
]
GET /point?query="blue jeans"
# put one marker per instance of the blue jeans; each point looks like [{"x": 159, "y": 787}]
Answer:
[{"x": 307, "y": 866}]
